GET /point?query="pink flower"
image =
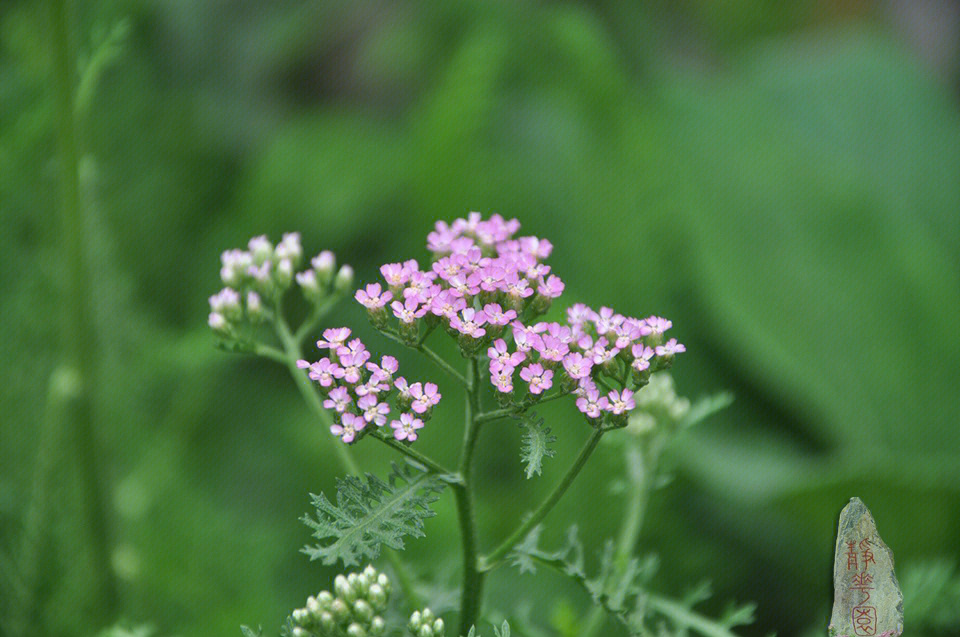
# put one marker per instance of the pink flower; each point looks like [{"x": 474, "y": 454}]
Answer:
[
  {"x": 525, "y": 338},
  {"x": 348, "y": 427},
  {"x": 353, "y": 347},
  {"x": 408, "y": 311},
  {"x": 372, "y": 298},
  {"x": 469, "y": 322},
  {"x": 406, "y": 427},
  {"x": 641, "y": 357},
  {"x": 655, "y": 325},
  {"x": 351, "y": 366},
  {"x": 670, "y": 348},
  {"x": 447, "y": 304},
  {"x": 540, "y": 248},
  {"x": 592, "y": 404},
  {"x": 403, "y": 388},
  {"x": 499, "y": 354},
  {"x": 620, "y": 402},
  {"x": 626, "y": 332},
  {"x": 577, "y": 366},
  {"x": 552, "y": 287},
  {"x": 578, "y": 314},
  {"x": 496, "y": 315},
  {"x": 553, "y": 349},
  {"x": 606, "y": 320},
  {"x": 419, "y": 286},
  {"x": 502, "y": 379},
  {"x": 372, "y": 410},
  {"x": 424, "y": 397},
  {"x": 323, "y": 372},
  {"x": 537, "y": 377},
  {"x": 333, "y": 338},
  {"x": 338, "y": 399},
  {"x": 516, "y": 287},
  {"x": 395, "y": 274},
  {"x": 447, "y": 267}
]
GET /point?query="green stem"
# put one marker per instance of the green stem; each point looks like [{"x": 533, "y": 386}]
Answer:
[
  {"x": 491, "y": 561},
  {"x": 319, "y": 311},
  {"x": 472, "y": 589},
  {"x": 79, "y": 334},
  {"x": 429, "y": 353},
  {"x": 687, "y": 617},
  {"x": 496, "y": 414},
  {"x": 435, "y": 467}
]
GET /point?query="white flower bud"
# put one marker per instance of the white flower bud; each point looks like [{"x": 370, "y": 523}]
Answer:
[
  {"x": 377, "y": 626},
  {"x": 300, "y": 615},
  {"x": 218, "y": 322},
  {"x": 362, "y": 610},
  {"x": 260, "y": 249},
  {"x": 377, "y": 596},
  {"x": 356, "y": 630},
  {"x": 313, "y": 605},
  {"x": 438, "y": 627},
  {"x": 324, "y": 264},
  {"x": 284, "y": 273},
  {"x": 339, "y": 610},
  {"x": 299, "y": 632},
  {"x": 254, "y": 306},
  {"x": 415, "y": 621},
  {"x": 384, "y": 583},
  {"x": 425, "y": 631},
  {"x": 307, "y": 280},
  {"x": 325, "y": 598},
  {"x": 343, "y": 589},
  {"x": 327, "y": 622},
  {"x": 344, "y": 281},
  {"x": 289, "y": 248}
]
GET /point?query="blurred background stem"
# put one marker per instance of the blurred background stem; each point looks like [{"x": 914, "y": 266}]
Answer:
[{"x": 79, "y": 340}]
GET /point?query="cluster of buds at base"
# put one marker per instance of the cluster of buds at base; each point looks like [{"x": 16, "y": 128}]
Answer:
[
  {"x": 259, "y": 276},
  {"x": 354, "y": 609},
  {"x": 423, "y": 623},
  {"x": 658, "y": 405}
]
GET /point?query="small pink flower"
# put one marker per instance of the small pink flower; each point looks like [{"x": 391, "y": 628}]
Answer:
[
  {"x": 655, "y": 325},
  {"x": 578, "y": 314},
  {"x": 577, "y": 366},
  {"x": 670, "y": 348},
  {"x": 499, "y": 354},
  {"x": 334, "y": 338},
  {"x": 406, "y": 427},
  {"x": 517, "y": 287},
  {"x": 408, "y": 311},
  {"x": 469, "y": 322},
  {"x": 372, "y": 298},
  {"x": 323, "y": 372},
  {"x": 525, "y": 338},
  {"x": 447, "y": 304},
  {"x": 395, "y": 274},
  {"x": 348, "y": 427},
  {"x": 373, "y": 411},
  {"x": 641, "y": 357},
  {"x": 496, "y": 315},
  {"x": 403, "y": 388},
  {"x": 592, "y": 404},
  {"x": 620, "y": 402},
  {"x": 338, "y": 399},
  {"x": 502, "y": 379},
  {"x": 552, "y": 287},
  {"x": 537, "y": 377},
  {"x": 424, "y": 397},
  {"x": 351, "y": 366},
  {"x": 353, "y": 347},
  {"x": 606, "y": 320},
  {"x": 491, "y": 278},
  {"x": 553, "y": 348}
]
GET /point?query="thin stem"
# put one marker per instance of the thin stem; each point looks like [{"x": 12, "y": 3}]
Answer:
[
  {"x": 687, "y": 617},
  {"x": 472, "y": 589},
  {"x": 78, "y": 329},
  {"x": 444, "y": 365},
  {"x": 319, "y": 312},
  {"x": 492, "y": 560},
  {"x": 496, "y": 414},
  {"x": 413, "y": 454}
]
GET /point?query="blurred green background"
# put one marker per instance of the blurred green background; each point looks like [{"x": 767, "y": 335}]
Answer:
[{"x": 782, "y": 179}]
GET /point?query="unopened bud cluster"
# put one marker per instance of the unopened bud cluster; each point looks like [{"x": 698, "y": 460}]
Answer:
[
  {"x": 423, "y": 623},
  {"x": 354, "y": 609},
  {"x": 257, "y": 277},
  {"x": 659, "y": 404}
]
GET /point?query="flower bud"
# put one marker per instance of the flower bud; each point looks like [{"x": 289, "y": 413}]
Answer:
[
  {"x": 300, "y": 615},
  {"x": 299, "y": 632},
  {"x": 377, "y": 596},
  {"x": 324, "y": 264},
  {"x": 325, "y": 599},
  {"x": 313, "y": 605},
  {"x": 284, "y": 273},
  {"x": 384, "y": 583},
  {"x": 356, "y": 630},
  {"x": 415, "y": 621},
  {"x": 339, "y": 610},
  {"x": 289, "y": 248},
  {"x": 343, "y": 282},
  {"x": 425, "y": 631},
  {"x": 438, "y": 627},
  {"x": 377, "y": 626},
  {"x": 362, "y": 610},
  {"x": 254, "y": 307},
  {"x": 343, "y": 589},
  {"x": 218, "y": 322},
  {"x": 260, "y": 249},
  {"x": 327, "y": 622}
]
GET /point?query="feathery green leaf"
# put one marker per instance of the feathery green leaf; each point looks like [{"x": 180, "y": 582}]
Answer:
[
  {"x": 368, "y": 514},
  {"x": 536, "y": 441}
]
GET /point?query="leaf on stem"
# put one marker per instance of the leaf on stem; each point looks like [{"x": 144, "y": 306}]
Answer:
[
  {"x": 536, "y": 443},
  {"x": 368, "y": 514}
]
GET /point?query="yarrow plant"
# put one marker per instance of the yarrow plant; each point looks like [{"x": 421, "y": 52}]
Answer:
[{"x": 488, "y": 289}]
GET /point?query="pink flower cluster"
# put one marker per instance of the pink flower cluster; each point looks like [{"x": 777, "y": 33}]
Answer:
[
  {"x": 360, "y": 390},
  {"x": 481, "y": 280},
  {"x": 593, "y": 348}
]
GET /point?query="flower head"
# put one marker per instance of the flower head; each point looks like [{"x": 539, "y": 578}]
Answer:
[
  {"x": 372, "y": 298},
  {"x": 348, "y": 427},
  {"x": 538, "y": 378},
  {"x": 424, "y": 397},
  {"x": 372, "y": 410}
]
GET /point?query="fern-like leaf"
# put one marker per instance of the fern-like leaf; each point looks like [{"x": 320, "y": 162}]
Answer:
[
  {"x": 368, "y": 514},
  {"x": 536, "y": 444}
]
